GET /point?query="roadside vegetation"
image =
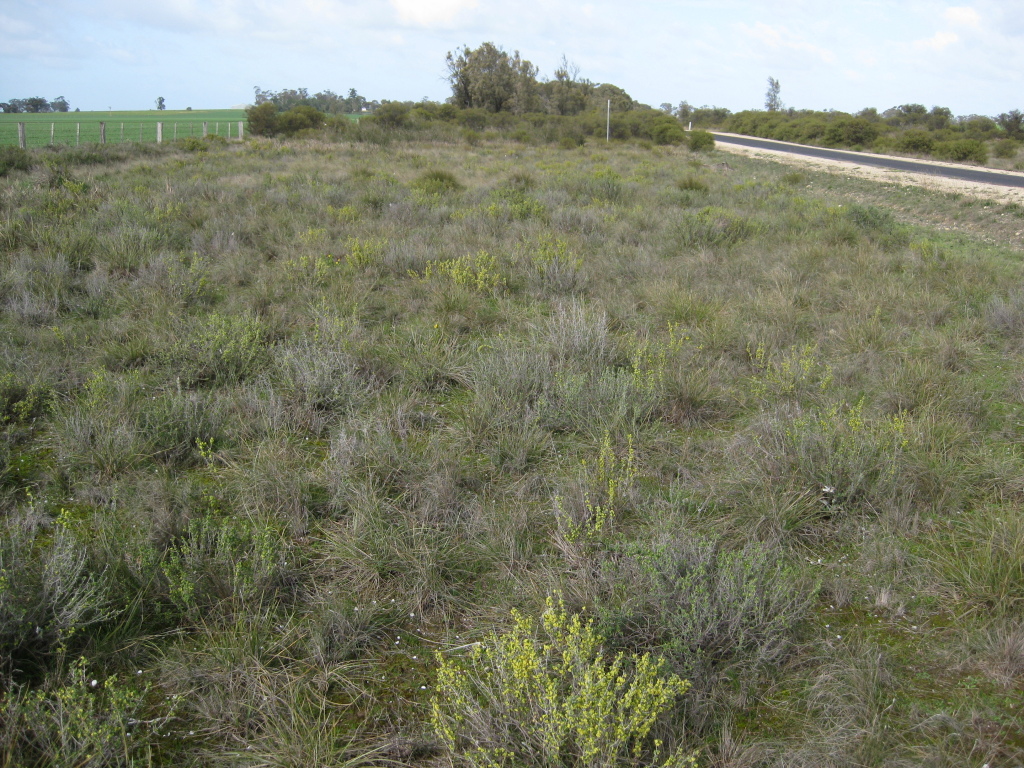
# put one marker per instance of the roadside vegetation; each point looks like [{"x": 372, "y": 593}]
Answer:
[
  {"x": 396, "y": 446},
  {"x": 910, "y": 129}
]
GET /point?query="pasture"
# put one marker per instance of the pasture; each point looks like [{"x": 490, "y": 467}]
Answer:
[
  {"x": 75, "y": 128},
  {"x": 404, "y": 452}
]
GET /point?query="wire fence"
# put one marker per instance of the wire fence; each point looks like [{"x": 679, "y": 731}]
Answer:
[{"x": 38, "y": 133}]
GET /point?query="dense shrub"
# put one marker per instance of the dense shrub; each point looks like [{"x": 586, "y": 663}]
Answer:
[
  {"x": 915, "y": 142},
  {"x": 14, "y": 159},
  {"x": 701, "y": 141},
  {"x": 961, "y": 151},
  {"x": 1006, "y": 148},
  {"x": 667, "y": 130},
  {"x": 391, "y": 115},
  {"x": 262, "y": 119},
  {"x": 854, "y": 132}
]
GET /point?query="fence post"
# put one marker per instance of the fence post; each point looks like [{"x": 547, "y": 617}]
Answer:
[
  {"x": 78, "y": 134},
  {"x": 122, "y": 133},
  {"x": 21, "y": 135},
  {"x": 159, "y": 133},
  {"x": 206, "y": 126},
  {"x": 239, "y": 130},
  {"x": 103, "y": 133},
  {"x": 140, "y": 133},
  {"x": 51, "y": 133},
  {"x": 175, "y": 131}
]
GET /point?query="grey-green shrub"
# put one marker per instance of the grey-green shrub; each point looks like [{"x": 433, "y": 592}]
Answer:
[
  {"x": 48, "y": 593},
  {"x": 705, "y": 607},
  {"x": 701, "y": 141}
]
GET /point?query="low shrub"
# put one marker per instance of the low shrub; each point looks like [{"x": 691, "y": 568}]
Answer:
[
  {"x": 223, "y": 348},
  {"x": 437, "y": 182},
  {"x": 702, "y": 606},
  {"x": 962, "y": 151},
  {"x": 668, "y": 131},
  {"x": 48, "y": 595},
  {"x": 1004, "y": 149},
  {"x": 915, "y": 142},
  {"x": 543, "y": 693},
  {"x": 14, "y": 159},
  {"x": 693, "y": 183},
  {"x": 78, "y": 721},
  {"x": 701, "y": 141}
]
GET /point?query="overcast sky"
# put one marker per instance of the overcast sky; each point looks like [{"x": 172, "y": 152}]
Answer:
[{"x": 210, "y": 53}]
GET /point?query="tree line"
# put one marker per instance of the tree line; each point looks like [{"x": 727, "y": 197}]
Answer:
[
  {"x": 327, "y": 101},
  {"x": 35, "y": 104}
]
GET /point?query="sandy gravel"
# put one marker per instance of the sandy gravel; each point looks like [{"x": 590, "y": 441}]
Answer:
[{"x": 903, "y": 178}]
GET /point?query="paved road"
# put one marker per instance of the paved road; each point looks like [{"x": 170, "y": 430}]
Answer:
[{"x": 965, "y": 173}]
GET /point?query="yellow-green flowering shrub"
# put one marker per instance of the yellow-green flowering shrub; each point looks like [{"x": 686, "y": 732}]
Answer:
[{"x": 545, "y": 694}]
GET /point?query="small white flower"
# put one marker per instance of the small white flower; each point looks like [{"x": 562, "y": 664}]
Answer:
[{"x": 94, "y": 683}]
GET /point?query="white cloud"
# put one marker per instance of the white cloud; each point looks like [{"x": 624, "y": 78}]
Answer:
[
  {"x": 938, "y": 42},
  {"x": 963, "y": 16},
  {"x": 431, "y": 13},
  {"x": 780, "y": 39}
]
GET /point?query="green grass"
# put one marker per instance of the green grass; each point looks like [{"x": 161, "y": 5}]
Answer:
[
  {"x": 74, "y": 128},
  {"x": 281, "y": 420}
]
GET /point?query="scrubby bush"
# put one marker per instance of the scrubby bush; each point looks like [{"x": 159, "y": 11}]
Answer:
[
  {"x": 14, "y": 159},
  {"x": 262, "y": 119},
  {"x": 701, "y": 141},
  {"x": 668, "y": 131},
  {"x": 704, "y": 607},
  {"x": 393, "y": 114},
  {"x": 915, "y": 142},
  {"x": 962, "y": 151},
  {"x": 48, "y": 594},
  {"x": 1006, "y": 148},
  {"x": 300, "y": 118},
  {"x": 544, "y": 693},
  {"x": 437, "y": 182}
]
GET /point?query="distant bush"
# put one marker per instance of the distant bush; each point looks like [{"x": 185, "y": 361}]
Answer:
[
  {"x": 915, "y": 142},
  {"x": 14, "y": 159},
  {"x": 262, "y": 119},
  {"x": 850, "y": 133},
  {"x": 1006, "y": 148},
  {"x": 265, "y": 120},
  {"x": 701, "y": 141},
  {"x": 668, "y": 131},
  {"x": 693, "y": 184},
  {"x": 961, "y": 151},
  {"x": 194, "y": 144},
  {"x": 300, "y": 118},
  {"x": 437, "y": 182},
  {"x": 391, "y": 115}
]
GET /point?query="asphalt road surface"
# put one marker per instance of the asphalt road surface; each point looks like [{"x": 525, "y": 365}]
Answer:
[{"x": 966, "y": 173}]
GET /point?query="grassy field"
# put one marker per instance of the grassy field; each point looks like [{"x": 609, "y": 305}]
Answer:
[
  {"x": 311, "y": 453},
  {"x": 74, "y": 128}
]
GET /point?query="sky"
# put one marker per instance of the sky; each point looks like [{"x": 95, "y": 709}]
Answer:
[{"x": 207, "y": 54}]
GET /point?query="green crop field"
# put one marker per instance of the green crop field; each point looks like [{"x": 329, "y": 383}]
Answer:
[{"x": 42, "y": 129}]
